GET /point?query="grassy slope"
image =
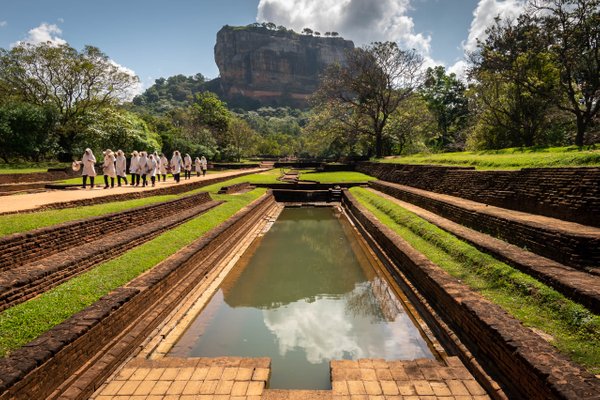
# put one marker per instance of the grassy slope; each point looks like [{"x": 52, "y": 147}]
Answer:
[
  {"x": 26, "y": 321},
  {"x": 513, "y": 158},
  {"x": 27, "y": 168},
  {"x": 574, "y": 329},
  {"x": 25, "y": 222},
  {"x": 335, "y": 177}
]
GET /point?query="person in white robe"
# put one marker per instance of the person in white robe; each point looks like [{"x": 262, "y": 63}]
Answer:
[
  {"x": 134, "y": 168},
  {"x": 187, "y": 165},
  {"x": 204, "y": 165},
  {"x": 176, "y": 163},
  {"x": 164, "y": 166},
  {"x": 152, "y": 167},
  {"x": 108, "y": 168},
  {"x": 121, "y": 167},
  {"x": 197, "y": 166},
  {"x": 143, "y": 167},
  {"x": 88, "y": 162}
]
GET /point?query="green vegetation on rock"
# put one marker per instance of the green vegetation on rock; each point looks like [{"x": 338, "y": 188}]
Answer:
[{"x": 571, "y": 328}]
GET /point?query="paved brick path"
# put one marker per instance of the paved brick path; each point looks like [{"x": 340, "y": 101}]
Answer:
[
  {"x": 577, "y": 285},
  {"x": 34, "y": 200},
  {"x": 234, "y": 378}
]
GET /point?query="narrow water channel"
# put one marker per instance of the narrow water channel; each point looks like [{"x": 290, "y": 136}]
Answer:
[{"x": 306, "y": 295}]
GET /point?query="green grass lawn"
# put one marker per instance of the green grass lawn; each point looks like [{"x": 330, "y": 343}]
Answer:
[
  {"x": 27, "y": 168},
  {"x": 336, "y": 177},
  {"x": 514, "y": 158},
  {"x": 22, "y": 323},
  {"x": 14, "y": 223},
  {"x": 574, "y": 329}
]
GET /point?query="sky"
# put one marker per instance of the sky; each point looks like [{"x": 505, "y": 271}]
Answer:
[{"x": 161, "y": 38}]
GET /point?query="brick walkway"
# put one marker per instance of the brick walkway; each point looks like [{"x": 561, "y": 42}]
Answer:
[{"x": 247, "y": 379}]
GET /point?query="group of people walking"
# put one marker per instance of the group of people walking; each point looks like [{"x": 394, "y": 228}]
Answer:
[{"x": 141, "y": 167}]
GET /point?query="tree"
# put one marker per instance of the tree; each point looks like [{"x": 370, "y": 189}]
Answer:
[
  {"x": 74, "y": 83},
  {"x": 516, "y": 85},
  {"x": 411, "y": 126},
  {"x": 307, "y": 31},
  {"x": 335, "y": 34},
  {"x": 375, "y": 81},
  {"x": 445, "y": 96},
  {"x": 24, "y": 131},
  {"x": 573, "y": 35},
  {"x": 317, "y": 33},
  {"x": 240, "y": 138},
  {"x": 209, "y": 112}
]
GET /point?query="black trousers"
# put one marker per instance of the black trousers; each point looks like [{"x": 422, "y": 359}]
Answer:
[
  {"x": 176, "y": 176},
  {"x": 133, "y": 178},
  {"x": 204, "y": 172},
  {"x": 85, "y": 181},
  {"x": 144, "y": 181},
  {"x": 119, "y": 179},
  {"x": 112, "y": 182}
]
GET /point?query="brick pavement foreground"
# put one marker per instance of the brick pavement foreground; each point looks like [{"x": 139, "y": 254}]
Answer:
[{"x": 235, "y": 378}]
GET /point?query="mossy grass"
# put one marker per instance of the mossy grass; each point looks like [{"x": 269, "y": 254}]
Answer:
[
  {"x": 335, "y": 177},
  {"x": 512, "y": 158},
  {"x": 26, "y": 321},
  {"x": 571, "y": 328},
  {"x": 14, "y": 223}
]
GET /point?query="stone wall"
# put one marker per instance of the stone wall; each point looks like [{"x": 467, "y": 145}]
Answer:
[
  {"x": 21, "y": 248},
  {"x": 90, "y": 345},
  {"x": 571, "y": 194},
  {"x": 524, "y": 364},
  {"x": 50, "y": 175},
  {"x": 579, "y": 251}
]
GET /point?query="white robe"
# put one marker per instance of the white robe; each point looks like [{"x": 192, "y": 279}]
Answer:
[
  {"x": 187, "y": 162},
  {"x": 109, "y": 166},
  {"x": 152, "y": 167},
  {"x": 164, "y": 163},
  {"x": 121, "y": 165},
  {"x": 134, "y": 168},
  {"x": 203, "y": 162},
  {"x": 143, "y": 165},
  {"x": 176, "y": 165},
  {"x": 89, "y": 162},
  {"x": 198, "y": 165}
]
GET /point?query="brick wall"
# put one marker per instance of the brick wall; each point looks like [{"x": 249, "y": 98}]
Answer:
[
  {"x": 571, "y": 194},
  {"x": 238, "y": 187},
  {"x": 577, "y": 251},
  {"x": 50, "y": 175},
  {"x": 112, "y": 328},
  {"x": 523, "y": 363},
  {"x": 21, "y": 248}
]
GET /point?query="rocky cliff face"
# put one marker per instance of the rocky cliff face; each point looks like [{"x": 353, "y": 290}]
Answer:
[{"x": 273, "y": 67}]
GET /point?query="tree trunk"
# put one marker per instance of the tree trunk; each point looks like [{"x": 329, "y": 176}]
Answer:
[
  {"x": 378, "y": 144},
  {"x": 581, "y": 125}
]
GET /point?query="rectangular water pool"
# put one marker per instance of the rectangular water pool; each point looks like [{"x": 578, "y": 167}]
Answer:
[{"x": 306, "y": 295}]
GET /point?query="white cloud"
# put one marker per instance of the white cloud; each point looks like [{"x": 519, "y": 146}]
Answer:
[
  {"x": 460, "y": 69},
  {"x": 3, "y": 24},
  {"x": 44, "y": 33},
  {"x": 136, "y": 89},
  {"x": 362, "y": 21},
  {"x": 483, "y": 17}
]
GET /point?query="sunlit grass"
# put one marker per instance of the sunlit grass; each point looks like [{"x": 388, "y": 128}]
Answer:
[
  {"x": 513, "y": 158},
  {"x": 26, "y": 321},
  {"x": 575, "y": 329},
  {"x": 336, "y": 177}
]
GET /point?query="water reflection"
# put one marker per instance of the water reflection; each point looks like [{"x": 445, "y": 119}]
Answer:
[{"x": 303, "y": 298}]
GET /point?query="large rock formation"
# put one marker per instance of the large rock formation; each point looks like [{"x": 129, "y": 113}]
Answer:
[{"x": 273, "y": 67}]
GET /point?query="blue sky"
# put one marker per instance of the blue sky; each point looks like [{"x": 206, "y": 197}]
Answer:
[{"x": 158, "y": 38}]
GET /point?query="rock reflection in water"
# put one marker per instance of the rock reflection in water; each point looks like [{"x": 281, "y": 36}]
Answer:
[{"x": 303, "y": 299}]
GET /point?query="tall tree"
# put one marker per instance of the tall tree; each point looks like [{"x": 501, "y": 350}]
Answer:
[
  {"x": 372, "y": 84},
  {"x": 72, "y": 82},
  {"x": 516, "y": 84},
  {"x": 445, "y": 96},
  {"x": 573, "y": 33}
]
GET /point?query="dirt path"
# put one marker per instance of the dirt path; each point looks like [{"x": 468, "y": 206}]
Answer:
[{"x": 30, "y": 201}]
